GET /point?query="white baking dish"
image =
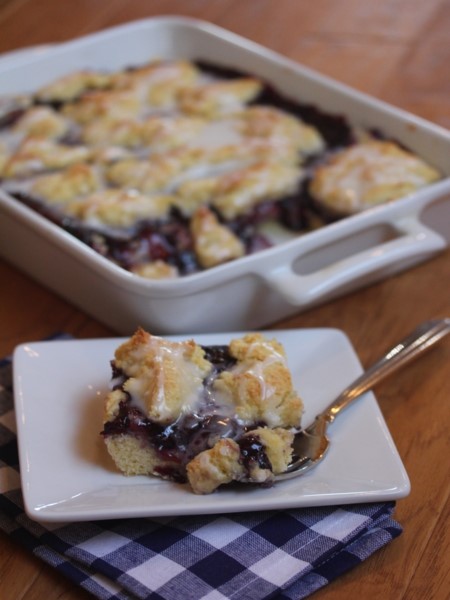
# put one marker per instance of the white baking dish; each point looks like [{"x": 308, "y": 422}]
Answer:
[{"x": 256, "y": 290}]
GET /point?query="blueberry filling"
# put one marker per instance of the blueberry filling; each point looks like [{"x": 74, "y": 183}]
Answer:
[
  {"x": 253, "y": 454},
  {"x": 179, "y": 442},
  {"x": 10, "y": 118}
]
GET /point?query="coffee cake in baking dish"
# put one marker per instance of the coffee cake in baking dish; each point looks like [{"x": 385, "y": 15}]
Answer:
[
  {"x": 175, "y": 166},
  {"x": 208, "y": 415}
]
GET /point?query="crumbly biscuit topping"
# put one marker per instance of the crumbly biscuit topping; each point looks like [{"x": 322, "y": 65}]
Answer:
[
  {"x": 71, "y": 86},
  {"x": 159, "y": 83},
  {"x": 270, "y": 123},
  {"x": 42, "y": 121},
  {"x": 214, "y": 243},
  {"x": 119, "y": 208},
  {"x": 154, "y": 173},
  {"x": 234, "y": 193},
  {"x": 164, "y": 378},
  {"x": 368, "y": 174},
  {"x": 194, "y": 140},
  {"x": 218, "y": 98},
  {"x": 260, "y": 385},
  {"x": 99, "y": 104},
  {"x": 37, "y": 154},
  {"x": 78, "y": 180},
  {"x": 218, "y": 466}
]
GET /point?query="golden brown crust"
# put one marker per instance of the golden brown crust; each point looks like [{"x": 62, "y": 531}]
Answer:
[
  {"x": 217, "y": 466},
  {"x": 368, "y": 174},
  {"x": 260, "y": 385},
  {"x": 214, "y": 243},
  {"x": 42, "y": 121},
  {"x": 158, "y": 133},
  {"x": 255, "y": 347},
  {"x": 72, "y": 85},
  {"x": 119, "y": 208},
  {"x": 63, "y": 186},
  {"x": 237, "y": 192},
  {"x": 234, "y": 193},
  {"x": 133, "y": 457},
  {"x": 112, "y": 404},
  {"x": 164, "y": 377},
  {"x": 278, "y": 446},
  {"x": 265, "y": 122},
  {"x": 37, "y": 154},
  {"x": 218, "y": 98},
  {"x": 107, "y": 131},
  {"x": 120, "y": 104},
  {"x": 152, "y": 174},
  {"x": 158, "y": 83}
]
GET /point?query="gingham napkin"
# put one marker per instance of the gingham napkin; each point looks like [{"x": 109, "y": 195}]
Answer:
[{"x": 281, "y": 555}]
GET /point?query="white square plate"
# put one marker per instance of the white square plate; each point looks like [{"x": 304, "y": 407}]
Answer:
[{"x": 67, "y": 474}]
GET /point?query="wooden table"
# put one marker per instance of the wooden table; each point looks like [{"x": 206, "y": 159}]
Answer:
[{"x": 397, "y": 50}]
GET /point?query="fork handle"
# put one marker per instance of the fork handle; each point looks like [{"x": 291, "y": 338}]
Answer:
[{"x": 421, "y": 339}]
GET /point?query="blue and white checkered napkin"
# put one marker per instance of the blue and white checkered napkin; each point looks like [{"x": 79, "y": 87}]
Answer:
[{"x": 251, "y": 556}]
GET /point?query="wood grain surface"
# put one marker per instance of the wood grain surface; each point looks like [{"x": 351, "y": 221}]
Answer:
[{"x": 396, "y": 50}]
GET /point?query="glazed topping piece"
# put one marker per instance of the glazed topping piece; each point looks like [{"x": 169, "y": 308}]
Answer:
[
  {"x": 215, "y": 467},
  {"x": 214, "y": 243},
  {"x": 155, "y": 173},
  {"x": 368, "y": 174},
  {"x": 36, "y": 155},
  {"x": 42, "y": 121},
  {"x": 59, "y": 188},
  {"x": 277, "y": 444},
  {"x": 260, "y": 385},
  {"x": 164, "y": 378},
  {"x": 71, "y": 86},
  {"x": 234, "y": 193},
  {"x": 265, "y": 122},
  {"x": 109, "y": 131},
  {"x": 119, "y": 208},
  {"x": 159, "y": 83},
  {"x": 119, "y": 104},
  {"x": 219, "y": 98},
  {"x": 158, "y": 133}
]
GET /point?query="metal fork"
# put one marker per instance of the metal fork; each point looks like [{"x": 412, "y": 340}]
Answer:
[{"x": 311, "y": 444}]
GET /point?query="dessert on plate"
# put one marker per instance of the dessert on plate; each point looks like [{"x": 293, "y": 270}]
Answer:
[{"x": 206, "y": 415}]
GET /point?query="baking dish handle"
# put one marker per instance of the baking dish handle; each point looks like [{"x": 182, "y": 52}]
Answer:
[{"x": 415, "y": 242}]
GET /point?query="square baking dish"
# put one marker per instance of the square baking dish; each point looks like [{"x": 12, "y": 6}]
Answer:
[{"x": 258, "y": 289}]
